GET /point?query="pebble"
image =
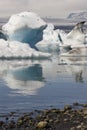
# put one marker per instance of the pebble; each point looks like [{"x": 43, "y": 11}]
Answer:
[
  {"x": 53, "y": 119},
  {"x": 65, "y": 120},
  {"x": 85, "y": 111},
  {"x": 73, "y": 128},
  {"x": 84, "y": 105},
  {"x": 76, "y": 104},
  {"x": 42, "y": 124},
  {"x": 79, "y": 126},
  {"x": 20, "y": 122},
  {"x": 67, "y": 107},
  {"x": 83, "y": 129}
]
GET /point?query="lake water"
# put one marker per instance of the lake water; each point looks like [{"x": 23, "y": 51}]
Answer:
[{"x": 26, "y": 85}]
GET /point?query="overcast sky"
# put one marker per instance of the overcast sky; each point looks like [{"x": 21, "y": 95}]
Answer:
[{"x": 49, "y": 8}]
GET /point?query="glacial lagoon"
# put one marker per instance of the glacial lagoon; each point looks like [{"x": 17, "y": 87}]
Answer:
[{"x": 28, "y": 85}]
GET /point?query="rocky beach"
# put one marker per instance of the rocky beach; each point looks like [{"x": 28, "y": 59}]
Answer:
[{"x": 71, "y": 117}]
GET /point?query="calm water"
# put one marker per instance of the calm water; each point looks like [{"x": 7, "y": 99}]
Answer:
[{"x": 26, "y": 85}]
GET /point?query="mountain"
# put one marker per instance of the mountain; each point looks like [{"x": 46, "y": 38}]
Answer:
[{"x": 78, "y": 16}]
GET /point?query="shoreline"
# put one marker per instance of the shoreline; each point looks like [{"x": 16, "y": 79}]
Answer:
[{"x": 71, "y": 117}]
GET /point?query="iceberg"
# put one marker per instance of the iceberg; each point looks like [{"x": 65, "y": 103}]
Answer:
[
  {"x": 50, "y": 40},
  {"x": 2, "y": 36},
  {"x": 15, "y": 50},
  {"x": 75, "y": 42},
  {"x": 44, "y": 46},
  {"x": 26, "y": 27},
  {"x": 75, "y": 37},
  {"x": 81, "y": 60},
  {"x": 28, "y": 36},
  {"x": 76, "y": 52},
  {"x": 49, "y": 34},
  {"x": 19, "y": 34}
]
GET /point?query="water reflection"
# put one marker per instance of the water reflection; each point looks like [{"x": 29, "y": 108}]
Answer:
[
  {"x": 79, "y": 76},
  {"x": 76, "y": 66},
  {"x": 25, "y": 77},
  {"x": 33, "y": 73}
]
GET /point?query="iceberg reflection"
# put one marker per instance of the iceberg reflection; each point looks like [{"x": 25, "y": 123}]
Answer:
[
  {"x": 77, "y": 66},
  {"x": 27, "y": 77},
  {"x": 23, "y": 77}
]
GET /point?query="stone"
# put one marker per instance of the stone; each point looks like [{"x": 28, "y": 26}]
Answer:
[
  {"x": 42, "y": 124},
  {"x": 76, "y": 104},
  {"x": 67, "y": 107},
  {"x": 85, "y": 111},
  {"x": 84, "y": 105},
  {"x": 65, "y": 120},
  {"x": 73, "y": 128},
  {"x": 20, "y": 122},
  {"x": 79, "y": 126},
  {"x": 57, "y": 121},
  {"x": 83, "y": 129}
]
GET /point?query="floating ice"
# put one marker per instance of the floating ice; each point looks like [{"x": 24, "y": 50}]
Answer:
[
  {"x": 50, "y": 40},
  {"x": 15, "y": 49},
  {"x": 73, "y": 60},
  {"x": 74, "y": 38},
  {"x": 28, "y": 27},
  {"x": 75, "y": 42},
  {"x": 50, "y": 35},
  {"x": 25, "y": 27},
  {"x": 44, "y": 46},
  {"x": 76, "y": 52}
]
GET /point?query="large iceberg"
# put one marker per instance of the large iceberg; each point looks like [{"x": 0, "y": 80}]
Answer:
[
  {"x": 26, "y": 27},
  {"x": 23, "y": 28}
]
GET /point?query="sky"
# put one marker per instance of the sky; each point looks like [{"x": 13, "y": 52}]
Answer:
[{"x": 45, "y": 8}]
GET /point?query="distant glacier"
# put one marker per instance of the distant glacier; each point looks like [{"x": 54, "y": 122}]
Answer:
[{"x": 78, "y": 16}]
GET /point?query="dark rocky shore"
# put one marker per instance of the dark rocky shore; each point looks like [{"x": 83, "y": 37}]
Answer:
[{"x": 69, "y": 118}]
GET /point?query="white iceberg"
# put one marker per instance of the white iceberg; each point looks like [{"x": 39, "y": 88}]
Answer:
[
  {"x": 28, "y": 27},
  {"x": 25, "y": 27},
  {"x": 15, "y": 49},
  {"x": 49, "y": 34},
  {"x": 50, "y": 40},
  {"x": 81, "y": 60},
  {"x": 75, "y": 37},
  {"x": 76, "y": 52},
  {"x": 44, "y": 46}
]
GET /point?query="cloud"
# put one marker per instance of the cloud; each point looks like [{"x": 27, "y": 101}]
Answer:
[
  {"x": 57, "y": 8},
  {"x": 8, "y": 7},
  {"x": 54, "y": 8}
]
